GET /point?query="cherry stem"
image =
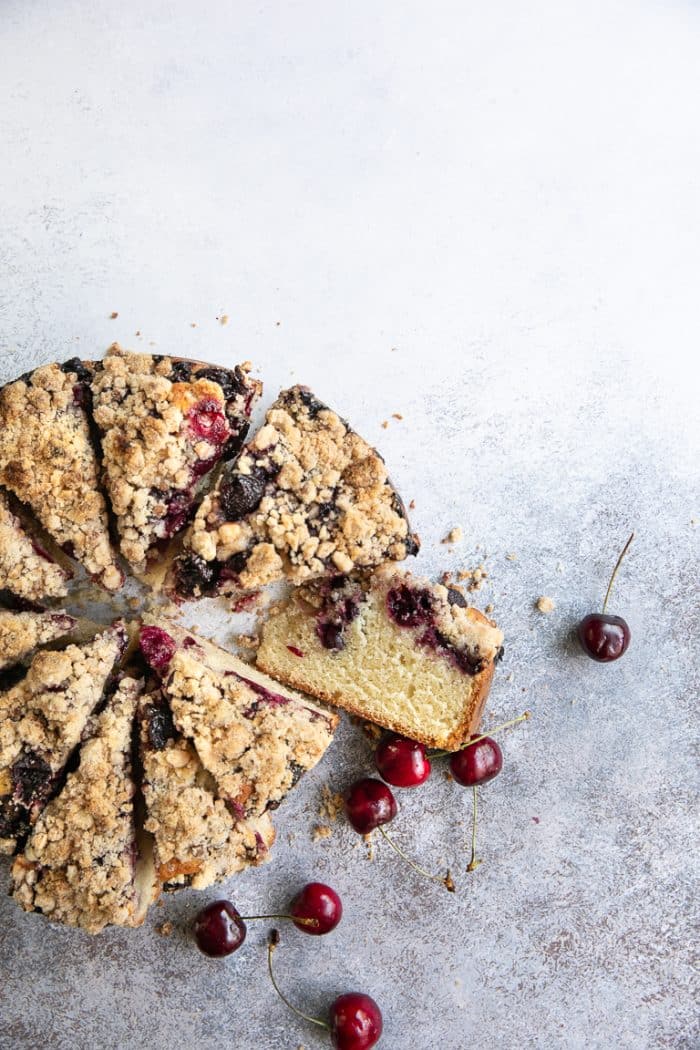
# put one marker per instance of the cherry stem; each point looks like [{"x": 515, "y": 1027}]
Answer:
[
  {"x": 524, "y": 717},
  {"x": 614, "y": 572},
  {"x": 444, "y": 880},
  {"x": 474, "y": 863},
  {"x": 271, "y": 945},
  {"x": 292, "y": 918}
]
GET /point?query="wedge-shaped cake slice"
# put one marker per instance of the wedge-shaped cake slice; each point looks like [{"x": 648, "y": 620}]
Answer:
[
  {"x": 197, "y": 840},
  {"x": 26, "y": 569},
  {"x": 42, "y": 718},
  {"x": 306, "y": 498},
  {"x": 22, "y": 632},
  {"x": 47, "y": 460},
  {"x": 396, "y": 650},
  {"x": 79, "y": 866},
  {"x": 164, "y": 423},
  {"x": 254, "y": 737}
]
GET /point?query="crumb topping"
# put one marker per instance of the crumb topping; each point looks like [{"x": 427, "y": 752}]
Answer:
[
  {"x": 47, "y": 460},
  {"x": 198, "y": 841},
  {"x": 254, "y": 743},
  {"x": 164, "y": 425},
  {"x": 544, "y": 604},
  {"x": 41, "y": 721},
  {"x": 22, "y": 632},
  {"x": 25, "y": 569},
  {"x": 307, "y": 497},
  {"x": 78, "y": 866}
]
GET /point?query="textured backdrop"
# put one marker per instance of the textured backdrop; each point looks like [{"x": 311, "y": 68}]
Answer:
[{"x": 485, "y": 218}]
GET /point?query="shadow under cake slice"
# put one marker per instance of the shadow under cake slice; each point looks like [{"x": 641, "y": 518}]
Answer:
[
  {"x": 396, "y": 650},
  {"x": 196, "y": 839},
  {"x": 27, "y": 570},
  {"x": 254, "y": 737},
  {"x": 22, "y": 632},
  {"x": 48, "y": 461},
  {"x": 307, "y": 497},
  {"x": 42, "y": 719},
  {"x": 164, "y": 424},
  {"x": 80, "y": 865}
]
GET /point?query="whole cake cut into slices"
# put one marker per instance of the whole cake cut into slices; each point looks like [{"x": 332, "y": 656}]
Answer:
[
  {"x": 48, "y": 461},
  {"x": 252, "y": 736},
  {"x": 27, "y": 570},
  {"x": 196, "y": 839},
  {"x": 42, "y": 719},
  {"x": 22, "y": 632},
  {"x": 164, "y": 424},
  {"x": 395, "y": 649},
  {"x": 80, "y": 865},
  {"x": 306, "y": 498}
]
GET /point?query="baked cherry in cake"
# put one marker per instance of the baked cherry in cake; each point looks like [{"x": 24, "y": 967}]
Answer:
[
  {"x": 307, "y": 498},
  {"x": 164, "y": 425},
  {"x": 394, "y": 649},
  {"x": 27, "y": 570},
  {"x": 48, "y": 461}
]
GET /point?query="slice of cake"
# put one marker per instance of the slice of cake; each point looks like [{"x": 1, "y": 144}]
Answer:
[
  {"x": 164, "y": 424},
  {"x": 22, "y": 632},
  {"x": 26, "y": 570},
  {"x": 396, "y": 650},
  {"x": 79, "y": 866},
  {"x": 252, "y": 736},
  {"x": 47, "y": 460},
  {"x": 197, "y": 840},
  {"x": 42, "y": 718},
  {"x": 306, "y": 498}
]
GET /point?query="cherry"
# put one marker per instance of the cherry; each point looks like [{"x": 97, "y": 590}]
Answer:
[
  {"x": 369, "y": 804},
  {"x": 219, "y": 929},
  {"x": 319, "y": 906},
  {"x": 604, "y": 637},
  {"x": 356, "y": 1022},
  {"x": 158, "y": 647},
  {"x": 208, "y": 422},
  {"x": 402, "y": 762},
  {"x": 477, "y": 762}
]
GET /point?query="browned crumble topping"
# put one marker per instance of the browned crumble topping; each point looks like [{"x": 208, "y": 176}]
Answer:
[
  {"x": 154, "y": 450},
  {"x": 454, "y": 535},
  {"x": 22, "y": 632},
  {"x": 321, "y": 831},
  {"x": 23, "y": 569},
  {"x": 254, "y": 746},
  {"x": 114, "y": 315},
  {"x": 396, "y": 415},
  {"x": 475, "y": 577},
  {"x": 308, "y": 497},
  {"x": 43, "y": 716},
  {"x": 332, "y": 804},
  {"x": 47, "y": 460},
  {"x": 78, "y": 866},
  {"x": 164, "y": 929}
]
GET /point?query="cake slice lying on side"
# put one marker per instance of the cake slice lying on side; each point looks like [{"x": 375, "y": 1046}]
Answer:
[
  {"x": 164, "y": 424},
  {"x": 253, "y": 737},
  {"x": 306, "y": 498},
  {"x": 22, "y": 632},
  {"x": 197, "y": 840},
  {"x": 396, "y": 650},
  {"x": 47, "y": 460},
  {"x": 26, "y": 569},
  {"x": 41, "y": 722},
  {"x": 80, "y": 865}
]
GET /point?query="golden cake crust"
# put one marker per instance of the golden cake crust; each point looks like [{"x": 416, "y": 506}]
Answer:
[{"x": 23, "y": 569}]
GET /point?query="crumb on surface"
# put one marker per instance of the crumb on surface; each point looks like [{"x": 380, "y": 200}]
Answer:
[
  {"x": 164, "y": 929},
  {"x": 489, "y": 608},
  {"x": 331, "y": 805},
  {"x": 412, "y": 505},
  {"x": 475, "y": 577},
  {"x": 372, "y": 732},
  {"x": 446, "y": 578},
  {"x": 396, "y": 415},
  {"x": 247, "y": 641},
  {"x": 385, "y": 424},
  {"x": 509, "y": 678},
  {"x": 223, "y": 319},
  {"x": 544, "y": 604},
  {"x": 454, "y": 535},
  {"x": 321, "y": 831},
  {"x": 114, "y": 315},
  {"x": 512, "y": 556}
]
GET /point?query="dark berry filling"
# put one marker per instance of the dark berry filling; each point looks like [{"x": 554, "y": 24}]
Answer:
[
  {"x": 196, "y": 576},
  {"x": 240, "y": 495},
  {"x": 456, "y": 597},
  {"x": 313, "y": 405},
  {"x": 38, "y": 549},
  {"x": 408, "y": 607},
  {"x": 266, "y": 696},
  {"x": 158, "y": 647},
  {"x": 181, "y": 372},
  {"x": 31, "y": 785},
  {"x": 413, "y": 607},
  {"x": 160, "y": 726},
  {"x": 342, "y": 599},
  {"x": 233, "y": 566},
  {"x": 76, "y": 365},
  {"x": 231, "y": 383},
  {"x": 294, "y": 651},
  {"x": 209, "y": 423},
  {"x": 10, "y": 676}
]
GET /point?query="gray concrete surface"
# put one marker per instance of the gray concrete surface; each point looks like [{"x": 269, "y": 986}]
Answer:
[{"x": 485, "y": 218}]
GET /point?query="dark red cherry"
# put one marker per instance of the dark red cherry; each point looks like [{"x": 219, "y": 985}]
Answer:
[
  {"x": 208, "y": 422},
  {"x": 368, "y": 804},
  {"x": 157, "y": 646},
  {"x": 319, "y": 903},
  {"x": 356, "y": 1022},
  {"x": 604, "y": 637},
  {"x": 402, "y": 762},
  {"x": 219, "y": 929},
  {"x": 477, "y": 763}
]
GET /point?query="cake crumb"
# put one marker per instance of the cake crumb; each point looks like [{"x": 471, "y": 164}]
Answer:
[
  {"x": 332, "y": 804},
  {"x": 446, "y": 579},
  {"x": 454, "y": 535},
  {"x": 372, "y": 732},
  {"x": 412, "y": 505},
  {"x": 544, "y": 604},
  {"x": 247, "y": 641},
  {"x": 114, "y": 315},
  {"x": 367, "y": 839},
  {"x": 512, "y": 556},
  {"x": 193, "y": 324},
  {"x": 448, "y": 775},
  {"x": 223, "y": 319},
  {"x": 134, "y": 603},
  {"x": 489, "y": 608},
  {"x": 138, "y": 332},
  {"x": 385, "y": 424},
  {"x": 165, "y": 929},
  {"x": 509, "y": 678},
  {"x": 321, "y": 831},
  {"x": 396, "y": 415}
]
